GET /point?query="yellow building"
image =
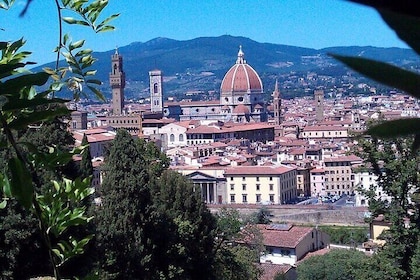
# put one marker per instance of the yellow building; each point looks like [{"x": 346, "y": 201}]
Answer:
[{"x": 261, "y": 184}]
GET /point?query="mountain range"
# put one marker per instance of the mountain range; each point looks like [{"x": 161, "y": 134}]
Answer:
[{"x": 200, "y": 64}]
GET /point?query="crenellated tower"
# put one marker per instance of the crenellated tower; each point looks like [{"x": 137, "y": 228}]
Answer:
[{"x": 117, "y": 82}]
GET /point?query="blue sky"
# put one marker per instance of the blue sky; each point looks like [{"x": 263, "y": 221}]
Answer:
[{"x": 305, "y": 23}]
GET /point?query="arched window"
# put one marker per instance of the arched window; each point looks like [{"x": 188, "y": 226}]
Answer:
[
  {"x": 181, "y": 137},
  {"x": 172, "y": 138},
  {"x": 155, "y": 88},
  {"x": 115, "y": 69}
]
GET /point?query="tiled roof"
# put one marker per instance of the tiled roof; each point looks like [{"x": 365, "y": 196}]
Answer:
[
  {"x": 283, "y": 238},
  {"x": 258, "y": 170},
  {"x": 315, "y": 253},
  {"x": 343, "y": 158},
  {"x": 269, "y": 270},
  {"x": 324, "y": 128}
]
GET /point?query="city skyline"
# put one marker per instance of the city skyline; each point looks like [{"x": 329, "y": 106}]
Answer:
[{"x": 314, "y": 24}]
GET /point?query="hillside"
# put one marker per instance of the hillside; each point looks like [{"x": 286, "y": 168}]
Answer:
[{"x": 199, "y": 64}]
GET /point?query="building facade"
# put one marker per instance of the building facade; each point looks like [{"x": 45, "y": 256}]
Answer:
[{"x": 261, "y": 184}]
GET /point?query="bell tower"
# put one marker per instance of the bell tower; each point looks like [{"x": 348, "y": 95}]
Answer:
[
  {"x": 277, "y": 105},
  {"x": 117, "y": 82},
  {"x": 156, "y": 91},
  {"x": 319, "y": 105}
]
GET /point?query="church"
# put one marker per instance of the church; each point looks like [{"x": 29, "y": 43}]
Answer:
[{"x": 240, "y": 100}]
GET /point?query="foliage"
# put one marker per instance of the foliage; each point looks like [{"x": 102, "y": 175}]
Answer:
[
  {"x": 237, "y": 261},
  {"x": 335, "y": 265},
  {"x": 193, "y": 226},
  {"x": 150, "y": 202},
  {"x": 396, "y": 166},
  {"x": 345, "y": 234},
  {"x": 86, "y": 167},
  {"x": 262, "y": 216},
  {"x": 404, "y": 19},
  {"x": 124, "y": 222},
  {"x": 56, "y": 208}
]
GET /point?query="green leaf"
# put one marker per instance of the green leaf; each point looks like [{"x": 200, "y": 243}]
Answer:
[
  {"x": 76, "y": 45},
  {"x": 21, "y": 182},
  {"x": 5, "y": 183},
  {"x": 395, "y": 128},
  {"x": 384, "y": 73},
  {"x": 406, "y": 27},
  {"x": 16, "y": 103},
  {"x": 36, "y": 117},
  {"x": 71, "y": 20},
  {"x": 108, "y": 19},
  {"x": 105, "y": 28},
  {"x": 97, "y": 93},
  {"x": 3, "y": 204},
  {"x": 96, "y": 82},
  {"x": 403, "y": 18},
  {"x": 65, "y": 39},
  {"x": 13, "y": 86}
]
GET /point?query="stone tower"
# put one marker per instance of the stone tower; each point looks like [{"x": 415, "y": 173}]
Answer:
[
  {"x": 156, "y": 91},
  {"x": 319, "y": 105},
  {"x": 117, "y": 82},
  {"x": 277, "y": 105}
]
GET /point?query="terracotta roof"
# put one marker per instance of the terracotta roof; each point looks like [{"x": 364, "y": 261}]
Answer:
[
  {"x": 317, "y": 170},
  {"x": 283, "y": 238},
  {"x": 241, "y": 109},
  {"x": 241, "y": 77},
  {"x": 324, "y": 128},
  {"x": 269, "y": 270},
  {"x": 258, "y": 170},
  {"x": 319, "y": 252},
  {"x": 343, "y": 158}
]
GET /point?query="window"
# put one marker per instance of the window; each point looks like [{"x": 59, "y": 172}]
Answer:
[
  {"x": 181, "y": 137},
  {"x": 232, "y": 198},
  {"x": 244, "y": 187},
  {"x": 258, "y": 198},
  {"x": 232, "y": 187},
  {"x": 244, "y": 198},
  {"x": 257, "y": 187},
  {"x": 231, "y": 178},
  {"x": 172, "y": 138},
  {"x": 271, "y": 187},
  {"x": 243, "y": 178},
  {"x": 271, "y": 178},
  {"x": 258, "y": 179},
  {"x": 271, "y": 197}
]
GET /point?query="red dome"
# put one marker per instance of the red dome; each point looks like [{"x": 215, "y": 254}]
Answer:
[{"x": 241, "y": 77}]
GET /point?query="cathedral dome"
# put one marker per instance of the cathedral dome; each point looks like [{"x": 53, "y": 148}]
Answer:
[{"x": 241, "y": 77}]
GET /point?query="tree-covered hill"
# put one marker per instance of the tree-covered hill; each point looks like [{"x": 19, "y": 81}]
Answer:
[{"x": 200, "y": 63}]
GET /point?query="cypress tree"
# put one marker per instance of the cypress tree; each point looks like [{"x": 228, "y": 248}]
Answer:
[
  {"x": 124, "y": 226},
  {"x": 193, "y": 226},
  {"x": 86, "y": 167}
]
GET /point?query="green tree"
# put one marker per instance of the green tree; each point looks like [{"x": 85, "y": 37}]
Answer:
[
  {"x": 394, "y": 160},
  {"x": 235, "y": 259},
  {"x": 125, "y": 229},
  {"x": 335, "y": 265},
  {"x": 192, "y": 237},
  {"x": 56, "y": 207},
  {"x": 86, "y": 167},
  {"x": 396, "y": 166}
]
